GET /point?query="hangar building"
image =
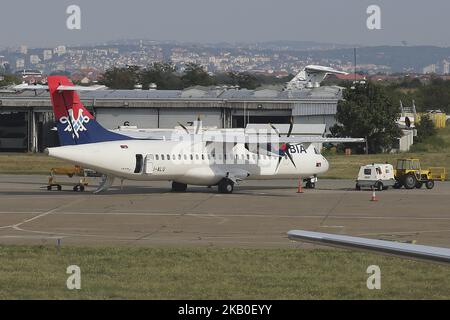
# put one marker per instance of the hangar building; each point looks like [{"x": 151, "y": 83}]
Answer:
[{"x": 26, "y": 118}]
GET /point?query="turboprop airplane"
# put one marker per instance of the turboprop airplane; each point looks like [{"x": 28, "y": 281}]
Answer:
[{"x": 188, "y": 158}]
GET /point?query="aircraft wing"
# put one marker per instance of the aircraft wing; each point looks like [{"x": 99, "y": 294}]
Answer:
[
  {"x": 253, "y": 138},
  {"x": 437, "y": 254},
  {"x": 32, "y": 87}
]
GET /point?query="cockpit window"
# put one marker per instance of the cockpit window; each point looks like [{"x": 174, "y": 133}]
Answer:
[{"x": 316, "y": 151}]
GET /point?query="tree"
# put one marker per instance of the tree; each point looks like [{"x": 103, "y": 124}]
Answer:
[
  {"x": 367, "y": 112},
  {"x": 9, "y": 80},
  {"x": 121, "y": 78},
  {"x": 425, "y": 128},
  {"x": 163, "y": 74},
  {"x": 195, "y": 75},
  {"x": 244, "y": 80}
]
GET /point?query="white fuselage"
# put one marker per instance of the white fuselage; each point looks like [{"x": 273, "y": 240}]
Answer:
[{"x": 189, "y": 163}]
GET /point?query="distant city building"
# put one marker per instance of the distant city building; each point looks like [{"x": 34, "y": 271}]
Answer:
[
  {"x": 60, "y": 50},
  {"x": 34, "y": 59},
  {"x": 20, "y": 63},
  {"x": 430, "y": 69},
  {"x": 23, "y": 49},
  {"x": 48, "y": 55},
  {"x": 31, "y": 76},
  {"x": 446, "y": 68}
]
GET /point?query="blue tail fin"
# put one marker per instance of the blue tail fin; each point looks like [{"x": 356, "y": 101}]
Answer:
[{"x": 75, "y": 124}]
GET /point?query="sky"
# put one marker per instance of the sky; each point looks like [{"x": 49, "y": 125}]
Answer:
[{"x": 43, "y": 23}]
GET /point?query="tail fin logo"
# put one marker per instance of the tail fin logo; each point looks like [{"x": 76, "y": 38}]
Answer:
[{"x": 75, "y": 125}]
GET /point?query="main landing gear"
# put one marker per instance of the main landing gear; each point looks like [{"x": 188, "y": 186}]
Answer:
[
  {"x": 178, "y": 187},
  {"x": 226, "y": 186}
]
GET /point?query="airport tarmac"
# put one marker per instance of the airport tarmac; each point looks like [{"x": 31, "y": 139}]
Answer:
[{"x": 257, "y": 214}]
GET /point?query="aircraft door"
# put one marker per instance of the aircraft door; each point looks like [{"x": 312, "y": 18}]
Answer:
[{"x": 149, "y": 164}]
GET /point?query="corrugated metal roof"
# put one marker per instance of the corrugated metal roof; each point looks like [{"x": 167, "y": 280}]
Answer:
[
  {"x": 313, "y": 108},
  {"x": 321, "y": 93}
]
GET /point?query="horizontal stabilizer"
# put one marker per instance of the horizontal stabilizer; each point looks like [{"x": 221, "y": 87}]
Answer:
[
  {"x": 397, "y": 248},
  {"x": 35, "y": 87}
]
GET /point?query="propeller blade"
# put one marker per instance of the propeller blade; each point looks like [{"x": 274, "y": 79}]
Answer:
[
  {"x": 276, "y": 130},
  {"x": 185, "y": 129},
  {"x": 197, "y": 129},
  {"x": 291, "y": 126},
  {"x": 278, "y": 164},
  {"x": 289, "y": 155}
]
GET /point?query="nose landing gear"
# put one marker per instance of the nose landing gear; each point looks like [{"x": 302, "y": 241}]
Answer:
[{"x": 310, "y": 182}]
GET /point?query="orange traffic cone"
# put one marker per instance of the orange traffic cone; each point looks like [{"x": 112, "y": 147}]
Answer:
[
  {"x": 299, "y": 189},
  {"x": 374, "y": 196}
]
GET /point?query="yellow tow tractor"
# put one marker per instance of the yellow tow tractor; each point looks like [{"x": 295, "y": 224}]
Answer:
[{"x": 410, "y": 175}]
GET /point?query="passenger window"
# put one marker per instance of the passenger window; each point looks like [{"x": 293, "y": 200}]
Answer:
[
  {"x": 162, "y": 157},
  {"x": 196, "y": 157},
  {"x": 168, "y": 157},
  {"x": 192, "y": 157},
  {"x": 156, "y": 157},
  {"x": 179, "y": 157}
]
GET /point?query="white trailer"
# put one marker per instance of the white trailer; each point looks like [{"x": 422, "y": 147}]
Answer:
[{"x": 375, "y": 176}]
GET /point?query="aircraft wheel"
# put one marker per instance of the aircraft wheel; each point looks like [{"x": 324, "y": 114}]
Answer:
[
  {"x": 310, "y": 185},
  {"x": 429, "y": 184},
  {"x": 226, "y": 186},
  {"x": 179, "y": 187},
  {"x": 358, "y": 187}
]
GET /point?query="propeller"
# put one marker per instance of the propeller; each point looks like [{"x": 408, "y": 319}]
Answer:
[
  {"x": 184, "y": 127},
  {"x": 284, "y": 147}
]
